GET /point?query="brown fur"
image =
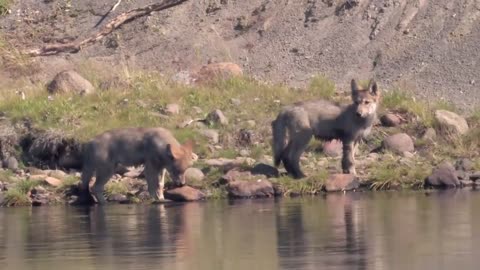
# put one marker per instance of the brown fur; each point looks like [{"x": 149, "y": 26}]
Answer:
[
  {"x": 324, "y": 120},
  {"x": 156, "y": 148}
]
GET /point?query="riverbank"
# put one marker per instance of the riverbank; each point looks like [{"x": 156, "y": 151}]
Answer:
[{"x": 230, "y": 120}]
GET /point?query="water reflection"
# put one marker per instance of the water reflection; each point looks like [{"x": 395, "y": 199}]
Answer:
[{"x": 338, "y": 231}]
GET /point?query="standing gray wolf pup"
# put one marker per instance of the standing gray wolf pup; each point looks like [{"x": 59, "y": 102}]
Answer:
[
  {"x": 324, "y": 120},
  {"x": 156, "y": 148}
]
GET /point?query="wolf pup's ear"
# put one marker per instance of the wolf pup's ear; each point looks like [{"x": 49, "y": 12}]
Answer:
[
  {"x": 355, "y": 88},
  {"x": 373, "y": 87},
  {"x": 189, "y": 145},
  {"x": 174, "y": 152}
]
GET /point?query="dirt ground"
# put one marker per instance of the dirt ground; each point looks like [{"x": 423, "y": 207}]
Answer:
[{"x": 427, "y": 46}]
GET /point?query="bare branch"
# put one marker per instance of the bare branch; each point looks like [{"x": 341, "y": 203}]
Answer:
[
  {"x": 112, "y": 9},
  {"x": 76, "y": 46}
]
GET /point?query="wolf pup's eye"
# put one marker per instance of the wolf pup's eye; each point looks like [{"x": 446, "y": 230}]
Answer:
[{"x": 367, "y": 102}]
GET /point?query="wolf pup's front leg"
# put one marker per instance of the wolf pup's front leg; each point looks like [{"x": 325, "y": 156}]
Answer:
[
  {"x": 348, "y": 158},
  {"x": 162, "y": 185}
]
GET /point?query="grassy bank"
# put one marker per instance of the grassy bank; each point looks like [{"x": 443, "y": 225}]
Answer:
[{"x": 141, "y": 100}]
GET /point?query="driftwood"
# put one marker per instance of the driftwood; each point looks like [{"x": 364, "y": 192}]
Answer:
[
  {"x": 112, "y": 9},
  {"x": 76, "y": 46}
]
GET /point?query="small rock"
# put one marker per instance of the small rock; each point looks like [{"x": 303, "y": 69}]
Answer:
[
  {"x": 245, "y": 137},
  {"x": 464, "y": 164},
  {"x": 211, "y": 134},
  {"x": 462, "y": 175},
  {"x": 251, "y": 123},
  {"x": 56, "y": 174},
  {"x": 264, "y": 169},
  {"x": 183, "y": 194},
  {"x": 475, "y": 176},
  {"x": 451, "y": 122},
  {"x": 235, "y": 101},
  {"x": 238, "y": 175},
  {"x": 40, "y": 199},
  {"x": 341, "y": 182},
  {"x": 333, "y": 148},
  {"x": 194, "y": 175},
  {"x": 183, "y": 77},
  {"x": 70, "y": 82},
  {"x": 52, "y": 181},
  {"x": 390, "y": 120},
  {"x": 466, "y": 183},
  {"x": 244, "y": 153},
  {"x": 143, "y": 196},
  {"x": 117, "y": 198},
  {"x": 429, "y": 135},
  {"x": 399, "y": 143},
  {"x": 172, "y": 109},
  {"x": 248, "y": 189},
  {"x": 217, "y": 117},
  {"x": 443, "y": 176},
  {"x": 10, "y": 163},
  {"x": 38, "y": 190}
]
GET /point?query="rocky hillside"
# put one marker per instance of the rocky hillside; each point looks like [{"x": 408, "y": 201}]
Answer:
[{"x": 429, "y": 47}]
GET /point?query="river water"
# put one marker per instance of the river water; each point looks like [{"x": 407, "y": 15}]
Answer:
[{"x": 387, "y": 230}]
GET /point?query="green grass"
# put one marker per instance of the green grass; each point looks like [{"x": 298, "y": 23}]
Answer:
[
  {"x": 403, "y": 101},
  {"x": 5, "y": 6},
  {"x": 68, "y": 182},
  {"x": 15, "y": 197},
  {"x": 322, "y": 87},
  {"x": 310, "y": 185},
  {"x": 390, "y": 173},
  {"x": 18, "y": 195},
  {"x": 140, "y": 104},
  {"x": 116, "y": 188},
  {"x": 6, "y": 176}
]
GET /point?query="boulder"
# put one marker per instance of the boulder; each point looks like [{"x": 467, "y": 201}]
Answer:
[
  {"x": 10, "y": 163},
  {"x": 443, "y": 176},
  {"x": 464, "y": 164},
  {"x": 451, "y": 121},
  {"x": 217, "y": 117},
  {"x": 341, "y": 182},
  {"x": 194, "y": 175},
  {"x": 212, "y": 71},
  {"x": 184, "y": 193},
  {"x": 429, "y": 135},
  {"x": 398, "y": 143},
  {"x": 238, "y": 175},
  {"x": 69, "y": 81},
  {"x": 390, "y": 120},
  {"x": 117, "y": 198},
  {"x": 249, "y": 189},
  {"x": 227, "y": 164}
]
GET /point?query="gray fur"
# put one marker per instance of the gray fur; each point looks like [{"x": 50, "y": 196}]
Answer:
[{"x": 323, "y": 120}]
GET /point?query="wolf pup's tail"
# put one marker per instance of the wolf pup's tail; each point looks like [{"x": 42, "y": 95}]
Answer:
[{"x": 279, "y": 132}]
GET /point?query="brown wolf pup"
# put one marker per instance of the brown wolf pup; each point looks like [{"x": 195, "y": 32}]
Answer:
[
  {"x": 156, "y": 148},
  {"x": 324, "y": 120}
]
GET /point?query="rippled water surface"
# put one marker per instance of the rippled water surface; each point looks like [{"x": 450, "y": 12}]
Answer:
[{"x": 352, "y": 231}]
